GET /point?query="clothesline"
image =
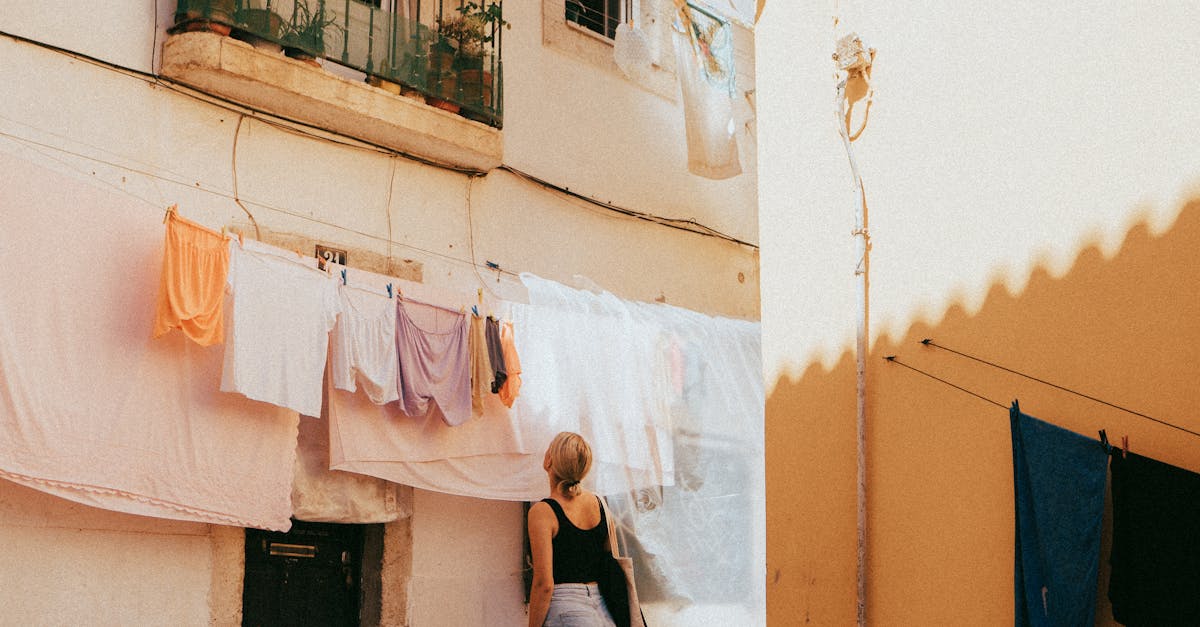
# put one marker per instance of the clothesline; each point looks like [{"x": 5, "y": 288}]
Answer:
[
  {"x": 894, "y": 360},
  {"x": 930, "y": 342}
]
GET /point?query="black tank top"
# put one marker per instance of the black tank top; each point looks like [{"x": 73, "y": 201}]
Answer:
[{"x": 577, "y": 552}]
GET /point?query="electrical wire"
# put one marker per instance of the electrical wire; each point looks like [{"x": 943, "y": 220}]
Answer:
[
  {"x": 302, "y": 128},
  {"x": 689, "y": 225},
  {"x": 226, "y": 195},
  {"x": 930, "y": 342},
  {"x": 237, "y": 132}
]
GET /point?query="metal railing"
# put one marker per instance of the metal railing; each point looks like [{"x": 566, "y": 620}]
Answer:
[{"x": 447, "y": 51}]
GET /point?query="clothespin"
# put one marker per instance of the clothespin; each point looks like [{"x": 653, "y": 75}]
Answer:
[
  {"x": 343, "y": 276},
  {"x": 1104, "y": 442},
  {"x": 1124, "y": 446},
  {"x": 475, "y": 310},
  {"x": 389, "y": 290},
  {"x": 170, "y": 210},
  {"x": 241, "y": 239}
]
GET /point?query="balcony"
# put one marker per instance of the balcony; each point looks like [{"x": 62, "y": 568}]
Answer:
[{"x": 433, "y": 80}]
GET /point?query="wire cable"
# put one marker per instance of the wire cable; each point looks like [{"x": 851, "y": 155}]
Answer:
[
  {"x": 237, "y": 132},
  {"x": 930, "y": 342},
  {"x": 892, "y": 359}
]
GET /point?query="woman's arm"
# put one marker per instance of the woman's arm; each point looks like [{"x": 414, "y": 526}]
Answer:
[{"x": 541, "y": 537}]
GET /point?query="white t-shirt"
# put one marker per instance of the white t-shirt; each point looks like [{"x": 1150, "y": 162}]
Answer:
[
  {"x": 278, "y": 331},
  {"x": 364, "y": 345}
]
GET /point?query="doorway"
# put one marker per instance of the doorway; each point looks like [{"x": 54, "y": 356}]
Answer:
[{"x": 311, "y": 575}]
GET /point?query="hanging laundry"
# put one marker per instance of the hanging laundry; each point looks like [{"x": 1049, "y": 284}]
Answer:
[
  {"x": 1059, "y": 479},
  {"x": 707, "y": 80},
  {"x": 512, "y": 365},
  {"x": 283, "y": 311},
  {"x": 495, "y": 354},
  {"x": 1155, "y": 579},
  {"x": 363, "y": 350},
  {"x": 435, "y": 367},
  {"x": 191, "y": 289},
  {"x": 481, "y": 367},
  {"x": 91, "y": 408},
  {"x": 323, "y": 495}
]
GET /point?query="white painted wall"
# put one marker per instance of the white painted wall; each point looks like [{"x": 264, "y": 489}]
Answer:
[
  {"x": 1002, "y": 136},
  {"x": 69, "y": 564},
  {"x": 598, "y": 135}
]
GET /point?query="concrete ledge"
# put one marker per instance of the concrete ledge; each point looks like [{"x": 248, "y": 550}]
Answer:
[{"x": 272, "y": 82}]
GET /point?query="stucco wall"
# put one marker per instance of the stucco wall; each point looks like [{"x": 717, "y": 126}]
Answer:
[
  {"x": 1028, "y": 172},
  {"x": 69, "y": 564},
  {"x": 162, "y": 145}
]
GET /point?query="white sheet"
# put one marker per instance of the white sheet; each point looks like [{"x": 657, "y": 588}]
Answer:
[{"x": 91, "y": 408}]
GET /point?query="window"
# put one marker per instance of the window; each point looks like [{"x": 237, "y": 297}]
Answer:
[{"x": 598, "y": 16}]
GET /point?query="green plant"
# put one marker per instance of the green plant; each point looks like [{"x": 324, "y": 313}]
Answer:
[
  {"x": 474, "y": 27},
  {"x": 306, "y": 30}
]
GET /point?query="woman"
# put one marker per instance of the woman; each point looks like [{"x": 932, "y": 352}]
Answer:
[{"x": 568, "y": 537}]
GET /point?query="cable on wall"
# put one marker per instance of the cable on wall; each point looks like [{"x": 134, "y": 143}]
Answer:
[
  {"x": 237, "y": 132},
  {"x": 929, "y": 342},
  {"x": 222, "y": 194},
  {"x": 299, "y": 127}
]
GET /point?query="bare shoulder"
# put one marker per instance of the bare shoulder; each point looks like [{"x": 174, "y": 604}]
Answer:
[{"x": 541, "y": 516}]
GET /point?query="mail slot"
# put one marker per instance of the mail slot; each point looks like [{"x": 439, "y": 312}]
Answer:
[{"x": 292, "y": 550}]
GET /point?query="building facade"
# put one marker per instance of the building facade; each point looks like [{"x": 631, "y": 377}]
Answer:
[{"x": 581, "y": 173}]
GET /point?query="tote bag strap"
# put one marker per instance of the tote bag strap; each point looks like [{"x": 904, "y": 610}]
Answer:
[{"x": 612, "y": 527}]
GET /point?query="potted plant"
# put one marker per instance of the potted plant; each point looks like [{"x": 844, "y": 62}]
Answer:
[
  {"x": 261, "y": 27},
  {"x": 210, "y": 15},
  {"x": 304, "y": 38},
  {"x": 476, "y": 37},
  {"x": 442, "y": 78}
]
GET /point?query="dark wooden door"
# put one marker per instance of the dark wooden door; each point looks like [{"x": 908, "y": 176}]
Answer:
[{"x": 309, "y": 576}]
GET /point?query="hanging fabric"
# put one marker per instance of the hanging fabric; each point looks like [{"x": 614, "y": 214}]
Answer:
[
  {"x": 363, "y": 347},
  {"x": 481, "y": 365},
  {"x": 191, "y": 288},
  {"x": 1059, "y": 479},
  {"x": 1155, "y": 578},
  {"x": 323, "y": 495},
  {"x": 512, "y": 364},
  {"x": 283, "y": 309},
  {"x": 434, "y": 377},
  {"x": 94, "y": 410},
  {"x": 704, "y": 64}
]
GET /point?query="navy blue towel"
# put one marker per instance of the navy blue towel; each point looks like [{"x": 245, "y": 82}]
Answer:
[{"x": 1058, "y": 480}]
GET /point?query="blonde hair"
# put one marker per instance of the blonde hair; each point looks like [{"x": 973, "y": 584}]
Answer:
[{"x": 570, "y": 460}]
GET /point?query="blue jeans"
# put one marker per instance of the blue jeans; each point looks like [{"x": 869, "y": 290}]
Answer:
[{"x": 577, "y": 605}]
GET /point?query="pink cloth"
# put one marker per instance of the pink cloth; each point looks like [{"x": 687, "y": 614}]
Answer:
[{"x": 91, "y": 408}]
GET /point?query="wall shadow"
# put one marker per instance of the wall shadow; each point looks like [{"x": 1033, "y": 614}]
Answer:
[{"x": 940, "y": 519}]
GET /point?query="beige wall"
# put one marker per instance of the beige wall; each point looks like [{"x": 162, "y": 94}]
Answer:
[
  {"x": 1029, "y": 172},
  {"x": 162, "y": 146},
  {"x": 68, "y": 564}
]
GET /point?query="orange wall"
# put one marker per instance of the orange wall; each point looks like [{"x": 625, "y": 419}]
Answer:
[{"x": 1124, "y": 329}]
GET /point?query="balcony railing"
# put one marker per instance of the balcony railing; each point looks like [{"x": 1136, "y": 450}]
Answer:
[{"x": 447, "y": 51}]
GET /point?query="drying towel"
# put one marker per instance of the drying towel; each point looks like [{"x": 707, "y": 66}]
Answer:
[
  {"x": 91, "y": 408},
  {"x": 1058, "y": 478},
  {"x": 1156, "y": 543}
]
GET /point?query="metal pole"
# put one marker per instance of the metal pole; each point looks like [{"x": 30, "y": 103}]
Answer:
[{"x": 862, "y": 297}]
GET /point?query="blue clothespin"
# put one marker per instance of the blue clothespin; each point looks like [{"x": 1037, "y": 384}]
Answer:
[
  {"x": 475, "y": 310},
  {"x": 343, "y": 276},
  {"x": 389, "y": 290}
]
